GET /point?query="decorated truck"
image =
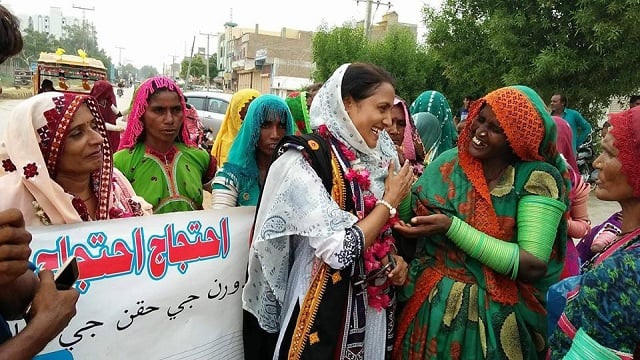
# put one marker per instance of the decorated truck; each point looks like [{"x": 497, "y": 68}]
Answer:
[{"x": 67, "y": 73}]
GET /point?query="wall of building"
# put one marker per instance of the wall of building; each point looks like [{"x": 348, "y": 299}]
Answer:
[{"x": 52, "y": 23}]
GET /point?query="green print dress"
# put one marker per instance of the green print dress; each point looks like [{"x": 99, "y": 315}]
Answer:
[
  {"x": 457, "y": 307},
  {"x": 170, "y": 182}
]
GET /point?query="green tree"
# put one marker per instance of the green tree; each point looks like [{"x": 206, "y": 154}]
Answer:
[
  {"x": 213, "y": 66},
  {"x": 78, "y": 37},
  {"x": 35, "y": 43},
  {"x": 413, "y": 66},
  {"x": 198, "y": 67},
  {"x": 586, "y": 49},
  {"x": 127, "y": 71},
  {"x": 148, "y": 71},
  {"x": 399, "y": 54},
  {"x": 336, "y": 46}
]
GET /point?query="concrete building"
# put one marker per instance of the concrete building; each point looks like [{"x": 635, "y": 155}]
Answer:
[
  {"x": 52, "y": 24},
  {"x": 276, "y": 62},
  {"x": 268, "y": 61},
  {"x": 389, "y": 21}
]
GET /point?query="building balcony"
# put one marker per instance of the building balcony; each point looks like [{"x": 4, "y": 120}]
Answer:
[{"x": 238, "y": 64}]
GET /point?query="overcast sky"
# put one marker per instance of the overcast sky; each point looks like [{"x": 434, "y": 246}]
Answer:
[{"x": 151, "y": 32}]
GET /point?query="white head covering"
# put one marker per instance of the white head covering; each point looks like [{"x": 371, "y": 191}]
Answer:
[
  {"x": 328, "y": 109},
  {"x": 298, "y": 205},
  {"x": 40, "y": 124}
]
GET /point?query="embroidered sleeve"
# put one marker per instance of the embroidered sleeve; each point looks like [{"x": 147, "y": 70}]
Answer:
[
  {"x": 352, "y": 246},
  {"x": 544, "y": 180},
  {"x": 340, "y": 249}
]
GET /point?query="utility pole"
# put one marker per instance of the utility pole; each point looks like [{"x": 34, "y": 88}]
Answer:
[
  {"x": 120, "y": 48},
  {"x": 173, "y": 62},
  {"x": 84, "y": 22},
  {"x": 368, "y": 14},
  {"x": 186, "y": 80},
  {"x": 208, "y": 78}
]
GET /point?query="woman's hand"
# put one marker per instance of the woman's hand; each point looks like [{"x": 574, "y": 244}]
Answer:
[
  {"x": 421, "y": 226},
  {"x": 398, "y": 276},
  {"x": 397, "y": 185}
]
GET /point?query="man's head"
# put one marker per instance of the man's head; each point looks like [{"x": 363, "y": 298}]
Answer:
[
  {"x": 10, "y": 37},
  {"x": 467, "y": 101},
  {"x": 634, "y": 101},
  {"x": 47, "y": 85},
  {"x": 558, "y": 103}
]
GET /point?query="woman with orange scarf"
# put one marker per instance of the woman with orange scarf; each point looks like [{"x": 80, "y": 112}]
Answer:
[{"x": 491, "y": 229}]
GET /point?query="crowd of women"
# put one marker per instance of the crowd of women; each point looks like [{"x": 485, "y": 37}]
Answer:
[{"x": 380, "y": 231}]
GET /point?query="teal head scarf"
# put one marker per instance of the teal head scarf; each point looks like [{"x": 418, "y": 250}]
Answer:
[
  {"x": 242, "y": 155},
  {"x": 435, "y": 103}
]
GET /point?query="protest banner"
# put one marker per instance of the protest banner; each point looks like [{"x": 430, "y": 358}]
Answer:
[{"x": 155, "y": 287}]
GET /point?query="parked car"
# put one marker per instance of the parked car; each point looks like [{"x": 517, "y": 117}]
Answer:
[{"x": 211, "y": 107}]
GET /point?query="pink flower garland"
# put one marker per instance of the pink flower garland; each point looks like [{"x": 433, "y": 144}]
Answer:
[{"x": 377, "y": 296}]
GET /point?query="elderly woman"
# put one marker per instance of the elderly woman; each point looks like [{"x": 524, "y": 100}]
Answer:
[
  {"x": 158, "y": 156},
  {"x": 239, "y": 181},
  {"x": 489, "y": 218},
  {"x": 405, "y": 136},
  {"x": 321, "y": 264},
  {"x": 231, "y": 123},
  {"x": 57, "y": 163},
  {"x": 602, "y": 316}
]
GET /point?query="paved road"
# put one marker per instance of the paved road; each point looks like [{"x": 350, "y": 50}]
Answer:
[{"x": 598, "y": 210}]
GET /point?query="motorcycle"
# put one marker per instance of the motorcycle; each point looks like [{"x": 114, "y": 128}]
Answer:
[{"x": 585, "y": 157}]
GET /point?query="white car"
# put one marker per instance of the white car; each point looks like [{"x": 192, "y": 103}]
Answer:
[{"x": 211, "y": 107}]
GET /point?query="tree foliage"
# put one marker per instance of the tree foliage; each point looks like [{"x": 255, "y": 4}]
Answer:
[
  {"x": 585, "y": 49},
  {"x": 147, "y": 71},
  {"x": 334, "y": 47},
  {"x": 199, "y": 67},
  {"x": 35, "y": 43},
  {"x": 86, "y": 38},
  {"x": 75, "y": 37},
  {"x": 413, "y": 67}
]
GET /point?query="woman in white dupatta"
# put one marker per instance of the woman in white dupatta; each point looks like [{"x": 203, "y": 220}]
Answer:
[{"x": 318, "y": 274}]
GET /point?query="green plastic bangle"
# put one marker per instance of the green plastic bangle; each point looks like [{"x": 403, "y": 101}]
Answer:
[{"x": 538, "y": 219}]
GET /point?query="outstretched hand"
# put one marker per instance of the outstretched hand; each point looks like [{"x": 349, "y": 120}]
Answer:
[{"x": 421, "y": 226}]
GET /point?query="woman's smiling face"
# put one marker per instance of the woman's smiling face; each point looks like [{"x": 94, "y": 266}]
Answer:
[
  {"x": 488, "y": 139},
  {"x": 373, "y": 114}
]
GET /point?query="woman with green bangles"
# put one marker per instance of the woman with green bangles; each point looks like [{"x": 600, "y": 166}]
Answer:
[
  {"x": 489, "y": 220},
  {"x": 239, "y": 181}
]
